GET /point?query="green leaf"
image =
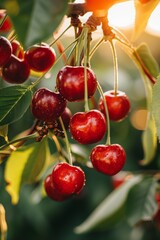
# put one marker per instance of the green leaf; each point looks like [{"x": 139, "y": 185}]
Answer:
[
  {"x": 143, "y": 13},
  {"x": 141, "y": 204},
  {"x": 14, "y": 101},
  {"x": 4, "y": 131},
  {"x": 36, "y": 20},
  {"x": 148, "y": 59},
  {"x": 156, "y": 106},
  {"x": 110, "y": 210},
  {"x": 149, "y": 141},
  {"x": 26, "y": 165},
  {"x": 80, "y": 153}
]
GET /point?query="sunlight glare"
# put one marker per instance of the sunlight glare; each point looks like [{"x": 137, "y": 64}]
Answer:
[
  {"x": 122, "y": 15},
  {"x": 153, "y": 26}
]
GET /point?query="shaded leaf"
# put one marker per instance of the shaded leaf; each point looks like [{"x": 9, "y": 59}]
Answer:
[
  {"x": 143, "y": 12},
  {"x": 141, "y": 204},
  {"x": 149, "y": 141},
  {"x": 148, "y": 59},
  {"x": 4, "y": 131},
  {"x": 14, "y": 101},
  {"x": 26, "y": 165},
  {"x": 156, "y": 106},
  {"x": 110, "y": 209},
  {"x": 35, "y": 21}
]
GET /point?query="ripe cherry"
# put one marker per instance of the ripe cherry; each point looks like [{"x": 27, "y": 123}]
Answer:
[
  {"x": 15, "y": 70},
  {"x": 70, "y": 82},
  {"x": 118, "y": 105},
  {"x": 17, "y": 49},
  {"x": 51, "y": 190},
  {"x": 47, "y": 105},
  {"x": 108, "y": 159},
  {"x": 66, "y": 116},
  {"x": 5, "y": 50},
  {"x": 7, "y": 24},
  {"x": 40, "y": 57},
  {"x": 68, "y": 179},
  {"x": 88, "y": 127}
]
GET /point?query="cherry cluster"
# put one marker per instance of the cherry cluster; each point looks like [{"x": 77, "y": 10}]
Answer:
[
  {"x": 16, "y": 63},
  {"x": 74, "y": 83},
  {"x": 64, "y": 181}
]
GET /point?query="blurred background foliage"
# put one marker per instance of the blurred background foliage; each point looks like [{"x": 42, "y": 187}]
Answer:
[{"x": 37, "y": 219}]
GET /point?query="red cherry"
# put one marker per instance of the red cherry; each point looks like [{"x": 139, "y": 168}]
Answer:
[
  {"x": 17, "y": 49},
  {"x": 89, "y": 127},
  {"x": 47, "y": 105},
  {"x": 108, "y": 159},
  {"x": 5, "y": 50},
  {"x": 118, "y": 105},
  {"x": 70, "y": 82},
  {"x": 40, "y": 57},
  {"x": 51, "y": 190},
  {"x": 7, "y": 24},
  {"x": 66, "y": 116},
  {"x": 15, "y": 71},
  {"x": 68, "y": 179}
]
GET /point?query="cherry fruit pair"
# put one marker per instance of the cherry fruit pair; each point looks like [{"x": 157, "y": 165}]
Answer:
[
  {"x": 64, "y": 181},
  {"x": 16, "y": 64}
]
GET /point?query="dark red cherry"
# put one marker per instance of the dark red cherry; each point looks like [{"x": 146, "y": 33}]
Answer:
[
  {"x": 68, "y": 179},
  {"x": 88, "y": 127},
  {"x": 40, "y": 57},
  {"x": 15, "y": 70},
  {"x": 17, "y": 49},
  {"x": 47, "y": 105},
  {"x": 118, "y": 105},
  {"x": 5, "y": 50},
  {"x": 108, "y": 159},
  {"x": 66, "y": 116},
  {"x": 51, "y": 190},
  {"x": 70, "y": 82},
  {"x": 7, "y": 24}
]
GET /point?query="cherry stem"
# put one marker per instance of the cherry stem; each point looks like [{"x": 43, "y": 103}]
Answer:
[
  {"x": 108, "y": 141},
  {"x": 66, "y": 141},
  {"x": 58, "y": 146},
  {"x": 34, "y": 135},
  {"x": 115, "y": 63},
  {"x": 86, "y": 106},
  {"x": 55, "y": 40},
  {"x": 139, "y": 61},
  {"x": 95, "y": 48}
]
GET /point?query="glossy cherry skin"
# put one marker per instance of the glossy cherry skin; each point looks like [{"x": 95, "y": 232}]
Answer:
[
  {"x": 68, "y": 179},
  {"x": 66, "y": 116},
  {"x": 51, "y": 190},
  {"x": 15, "y": 70},
  {"x": 70, "y": 82},
  {"x": 17, "y": 49},
  {"x": 40, "y": 57},
  {"x": 118, "y": 105},
  {"x": 47, "y": 105},
  {"x": 7, "y": 24},
  {"x": 5, "y": 50},
  {"x": 89, "y": 127},
  {"x": 108, "y": 159}
]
